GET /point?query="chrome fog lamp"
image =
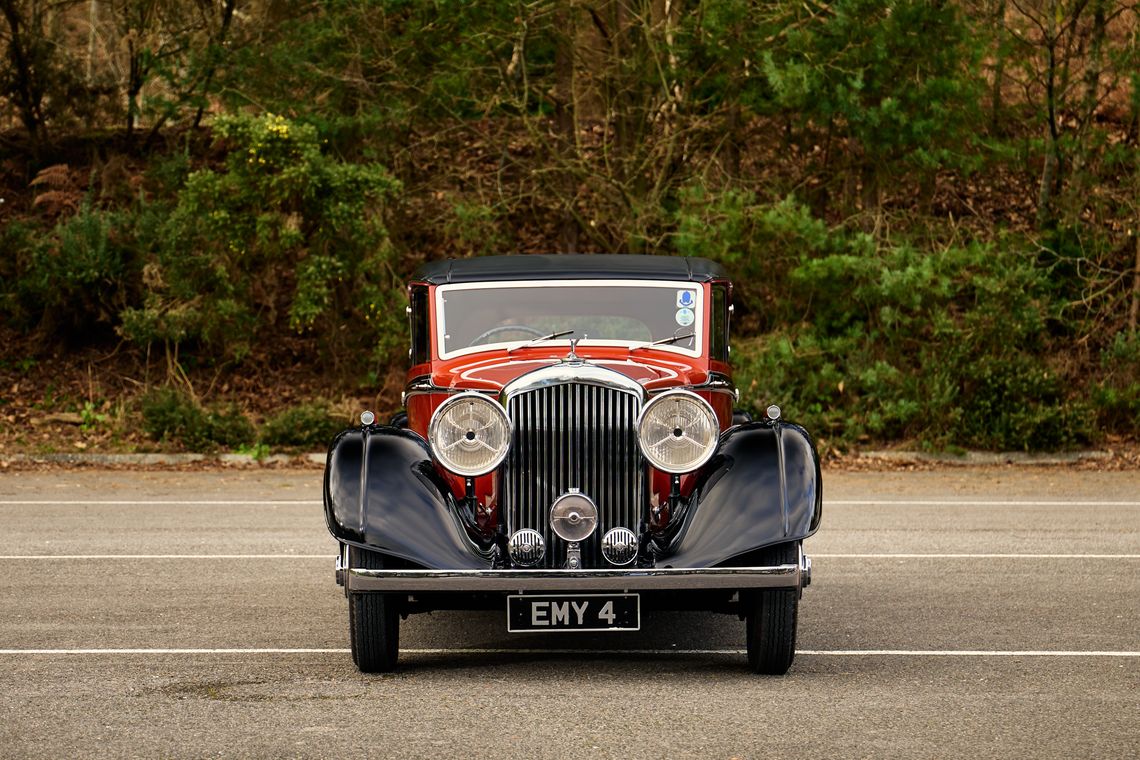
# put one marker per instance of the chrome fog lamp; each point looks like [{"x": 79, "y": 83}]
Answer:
[
  {"x": 526, "y": 547},
  {"x": 573, "y": 517},
  {"x": 469, "y": 434},
  {"x": 619, "y": 546},
  {"x": 678, "y": 431}
]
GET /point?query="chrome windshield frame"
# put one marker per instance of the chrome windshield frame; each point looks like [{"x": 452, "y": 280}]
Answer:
[{"x": 699, "y": 326}]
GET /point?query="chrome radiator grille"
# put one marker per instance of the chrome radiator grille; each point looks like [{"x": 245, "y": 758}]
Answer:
[{"x": 567, "y": 436}]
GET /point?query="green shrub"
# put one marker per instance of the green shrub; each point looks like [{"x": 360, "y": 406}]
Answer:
[
  {"x": 759, "y": 243},
  {"x": 947, "y": 348},
  {"x": 170, "y": 415},
  {"x": 308, "y": 425},
  {"x": 80, "y": 272},
  {"x": 15, "y": 241},
  {"x": 1116, "y": 395},
  {"x": 283, "y": 236},
  {"x": 890, "y": 75},
  {"x": 228, "y": 427}
]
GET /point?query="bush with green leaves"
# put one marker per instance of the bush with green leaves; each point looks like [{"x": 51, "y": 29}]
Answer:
[
  {"x": 78, "y": 273},
  {"x": 308, "y": 425},
  {"x": 944, "y": 348},
  {"x": 1116, "y": 393},
  {"x": 896, "y": 77},
  {"x": 169, "y": 415},
  {"x": 281, "y": 234},
  {"x": 759, "y": 243}
]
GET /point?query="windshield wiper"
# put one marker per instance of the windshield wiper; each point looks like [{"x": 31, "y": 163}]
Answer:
[
  {"x": 539, "y": 340},
  {"x": 662, "y": 341}
]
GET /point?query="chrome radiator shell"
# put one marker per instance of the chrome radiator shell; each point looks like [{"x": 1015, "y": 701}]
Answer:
[{"x": 573, "y": 428}]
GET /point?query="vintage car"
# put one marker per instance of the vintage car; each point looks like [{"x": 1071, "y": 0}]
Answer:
[{"x": 569, "y": 455}]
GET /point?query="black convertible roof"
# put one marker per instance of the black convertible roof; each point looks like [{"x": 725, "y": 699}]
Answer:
[{"x": 570, "y": 267}]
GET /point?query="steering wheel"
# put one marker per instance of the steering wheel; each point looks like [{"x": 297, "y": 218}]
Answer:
[{"x": 506, "y": 328}]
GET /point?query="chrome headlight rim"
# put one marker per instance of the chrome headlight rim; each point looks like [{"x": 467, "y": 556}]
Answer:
[
  {"x": 705, "y": 407},
  {"x": 436, "y": 448}
]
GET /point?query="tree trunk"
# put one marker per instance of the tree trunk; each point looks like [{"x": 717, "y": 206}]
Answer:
[
  {"x": 134, "y": 87},
  {"x": 92, "y": 23},
  {"x": 1134, "y": 311},
  {"x": 1082, "y": 178},
  {"x": 565, "y": 118},
  {"x": 1050, "y": 172},
  {"x": 1094, "y": 62},
  {"x": 219, "y": 45},
  {"x": 26, "y": 90},
  {"x": 870, "y": 198},
  {"x": 999, "y": 67}
]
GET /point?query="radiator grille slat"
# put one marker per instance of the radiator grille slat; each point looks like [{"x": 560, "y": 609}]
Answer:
[{"x": 572, "y": 435}]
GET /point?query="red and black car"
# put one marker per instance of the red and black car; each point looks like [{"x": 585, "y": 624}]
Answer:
[{"x": 569, "y": 454}]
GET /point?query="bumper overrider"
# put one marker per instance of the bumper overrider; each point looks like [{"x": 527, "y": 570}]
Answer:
[{"x": 359, "y": 580}]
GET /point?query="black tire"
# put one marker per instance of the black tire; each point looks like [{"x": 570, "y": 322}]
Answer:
[
  {"x": 373, "y": 621},
  {"x": 770, "y": 618}
]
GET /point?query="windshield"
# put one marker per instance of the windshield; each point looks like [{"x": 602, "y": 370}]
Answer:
[{"x": 620, "y": 313}]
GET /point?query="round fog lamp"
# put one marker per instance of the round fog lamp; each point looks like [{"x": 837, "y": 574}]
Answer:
[
  {"x": 619, "y": 546},
  {"x": 573, "y": 517},
  {"x": 527, "y": 547}
]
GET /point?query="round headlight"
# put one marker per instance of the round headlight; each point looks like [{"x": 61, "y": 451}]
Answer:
[
  {"x": 678, "y": 431},
  {"x": 469, "y": 434}
]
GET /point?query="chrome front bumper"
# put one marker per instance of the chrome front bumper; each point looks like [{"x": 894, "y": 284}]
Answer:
[{"x": 617, "y": 580}]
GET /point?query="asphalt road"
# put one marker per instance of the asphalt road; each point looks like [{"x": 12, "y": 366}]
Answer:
[{"x": 957, "y": 613}]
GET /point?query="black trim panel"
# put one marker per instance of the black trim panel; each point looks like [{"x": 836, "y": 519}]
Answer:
[{"x": 570, "y": 267}]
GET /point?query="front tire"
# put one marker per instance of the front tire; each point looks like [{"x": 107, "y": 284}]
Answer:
[
  {"x": 373, "y": 621},
  {"x": 770, "y": 617}
]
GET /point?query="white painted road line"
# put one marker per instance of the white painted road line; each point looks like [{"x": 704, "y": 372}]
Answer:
[
  {"x": 814, "y": 555},
  {"x": 810, "y": 652},
  {"x": 959, "y": 653},
  {"x": 332, "y": 555},
  {"x": 172, "y": 651},
  {"x": 317, "y": 502},
  {"x": 161, "y": 503},
  {"x": 970, "y": 503},
  {"x": 655, "y": 652},
  {"x": 329, "y": 556}
]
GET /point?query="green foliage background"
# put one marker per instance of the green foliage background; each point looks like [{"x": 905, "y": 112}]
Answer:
[{"x": 929, "y": 209}]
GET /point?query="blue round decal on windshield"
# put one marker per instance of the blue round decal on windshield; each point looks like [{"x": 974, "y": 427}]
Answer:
[{"x": 685, "y": 317}]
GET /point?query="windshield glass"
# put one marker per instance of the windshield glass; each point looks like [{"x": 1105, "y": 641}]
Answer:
[{"x": 626, "y": 313}]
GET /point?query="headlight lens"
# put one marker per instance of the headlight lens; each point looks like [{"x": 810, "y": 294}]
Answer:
[
  {"x": 469, "y": 434},
  {"x": 678, "y": 431}
]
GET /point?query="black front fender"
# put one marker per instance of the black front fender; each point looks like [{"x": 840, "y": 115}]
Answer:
[
  {"x": 763, "y": 487},
  {"x": 383, "y": 492}
]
